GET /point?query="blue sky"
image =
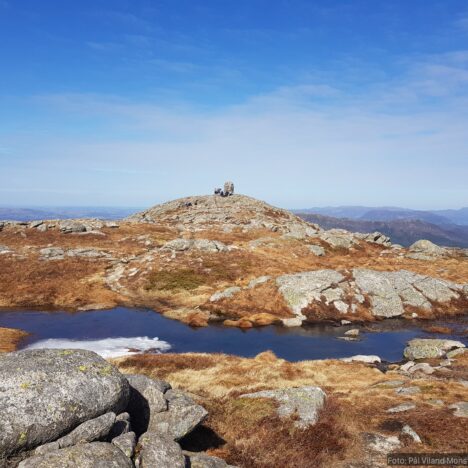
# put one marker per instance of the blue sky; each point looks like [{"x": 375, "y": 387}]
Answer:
[{"x": 301, "y": 103}]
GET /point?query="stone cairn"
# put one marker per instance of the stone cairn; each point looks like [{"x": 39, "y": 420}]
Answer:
[{"x": 227, "y": 192}]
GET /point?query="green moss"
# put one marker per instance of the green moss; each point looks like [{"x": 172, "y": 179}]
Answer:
[
  {"x": 22, "y": 438},
  {"x": 25, "y": 385},
  {"x": 66, "y": 352},
  {"x": 185, "y": 279},
  {"x": 82, "y": 368}
]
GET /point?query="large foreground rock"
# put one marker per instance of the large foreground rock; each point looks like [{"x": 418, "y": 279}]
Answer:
[
  {"x": 306, "y": 402},
  {"x": 159, "y": 451},
  {"x": 94, "y": 455},
  {"x": 421, "y": 348},
  {"x": 44, "y": 394}
]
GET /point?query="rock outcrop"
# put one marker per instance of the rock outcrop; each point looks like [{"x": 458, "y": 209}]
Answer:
[
  {"x": 304, "y": 402},
  {"x": 71, "y": 408}
]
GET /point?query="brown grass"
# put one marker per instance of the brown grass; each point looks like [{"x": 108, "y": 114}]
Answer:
[
  {"x": 249, "y": 434},
  {"x": 10, "y": 338}
]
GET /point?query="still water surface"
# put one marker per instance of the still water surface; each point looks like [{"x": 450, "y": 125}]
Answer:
[{"x": 124, "y": 330}]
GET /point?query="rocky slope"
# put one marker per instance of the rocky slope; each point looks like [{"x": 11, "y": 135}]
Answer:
[{"x": 231, "y": 259}]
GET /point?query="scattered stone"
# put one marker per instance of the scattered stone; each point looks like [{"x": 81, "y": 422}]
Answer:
[
  {"x": 93, "y": 455},
  {"x": 426, "y": 250},
  {"x": 390, "y": 384},
  {"x": 181, "y": 417},
  {"x": 52, "y": 253},
  {"x": 181, "y": 245},
  {"x": 352, "y": 332},
  {"x": 401, "y": 408},
  {"x": 368, "y": 359},
  {"x": 126, "y": 443},
  {"x": 375, "y": 238},
  {"x": 305, "y": 402},
  {"x": 4, "y": 250},
  {"x": 406, "y": 367},
  {"x": 409, "y": 431},
  {"x": 257, "y": 281},
  {"x": 227, "y": 293},
  {"x": 34, "y": 412},
  {"x": 338, "y": 238},
  {"x": 159, "y": 451},
  {"x": 345, "y": 322},
  {"x": 422, "y": 367},
  {"x": 317, "y": 250},
  {"x": 71, "y": 227},
  {"x": 408, "y": 390},
  {"x": 424, "y": 348},
  {"x": 461, "y": 409},
  {"x": 380, "y": 443}
]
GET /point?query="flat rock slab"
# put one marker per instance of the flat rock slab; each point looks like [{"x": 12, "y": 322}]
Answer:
[
  {"x": 422, "y": 348},
  {"x": 401, "y": 408},
  {"x": 94, "y": 455},
  {"x": 45, "y": 394},
  {"x": 306, "y": 402},
  {"x": 159, "y": 451}
]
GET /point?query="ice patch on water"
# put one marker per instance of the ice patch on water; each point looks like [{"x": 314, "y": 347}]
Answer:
[{"x": 107, "y": 347}]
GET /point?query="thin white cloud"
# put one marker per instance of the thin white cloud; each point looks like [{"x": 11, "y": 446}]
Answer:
[{"x": 313, "y": 143}]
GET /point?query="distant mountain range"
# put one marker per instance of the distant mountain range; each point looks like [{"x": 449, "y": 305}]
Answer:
[
  {"x": 365, "y": 213},
  {"x": 30, "y": 214},
  {"x": 404, "y": 226}
]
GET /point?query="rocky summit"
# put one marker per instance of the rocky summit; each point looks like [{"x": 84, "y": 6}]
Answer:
[{"x": 227, "y": 258}]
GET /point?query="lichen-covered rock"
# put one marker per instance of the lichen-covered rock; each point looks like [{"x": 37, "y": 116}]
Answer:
[
  {"x": 305, "y": 402},
  {"x": 93, "y": 455},
  {"x": 182, "y": 416},
  {"x": 89, "y": 431},
  {"x": 44, "y": 394},
  {"x": 300, "y": 289},
  {"x": 126, "y": 443},
  {"x": 159, "y": 451},
  {"x": 424, "y": 348},
  {"x": 146, "y": 399}
]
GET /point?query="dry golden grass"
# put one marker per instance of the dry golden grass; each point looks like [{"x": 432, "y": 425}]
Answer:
[
  {"x": 69, "y": 283},
  {"x": 10, "y": 338},
  {"x": 248, "y": 433}
]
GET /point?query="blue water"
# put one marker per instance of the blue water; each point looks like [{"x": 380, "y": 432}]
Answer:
[{"x": 313, "y": 342}]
